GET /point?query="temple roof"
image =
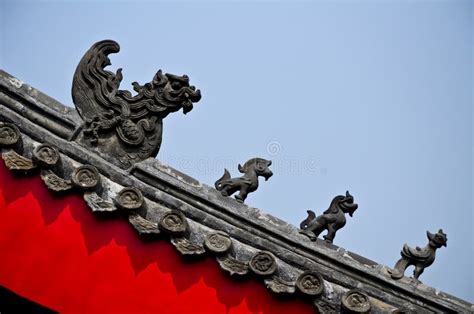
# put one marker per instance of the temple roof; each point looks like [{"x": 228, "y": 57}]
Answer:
[{"x": 164, "y": 204}]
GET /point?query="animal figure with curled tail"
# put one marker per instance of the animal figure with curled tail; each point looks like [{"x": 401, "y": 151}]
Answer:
[
  {"x": 247, "y": 183},
  {"x": 419, "y": 257},
  {"x": 331, "y": 220}
]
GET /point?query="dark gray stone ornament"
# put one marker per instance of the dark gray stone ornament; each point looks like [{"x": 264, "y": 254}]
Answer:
[
  {"x": 54, "y": 182},
  {"x": 218, "y": 242},
  {"x": 232, "y": 265},
  {"x": 280, "y": 286},
  {"x": 355, "y": 301},
  {"x": 187, "y": 248},
  {"x": 9, "y": 134},
  {"x": 46, "y": 155},
  {"x": 127, "y": 128},
  {"x": 263, "y": 263},
  {"x": 129, "y": 199},
  {"x": 98, "y": 204},
  {"x": 174, "y": 223},
  {"x": 419, "y": 257},
  {"x": 144, "y": 226},
  {"x": 247, "y": 183},
  {"x": 86, "y": 177},
  {"x": 310, "y": 283},
  {"x": 331, "y": 220},
  {"x": 17, "y": 162}
]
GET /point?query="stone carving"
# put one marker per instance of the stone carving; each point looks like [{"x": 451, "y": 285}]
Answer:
[
  {"x": 326, "y": 307},
  {"x": 247, "y": 183},
  {"x": 186, "y": 247},
  {"x": 97, "y": 203},
  {"x": 356, "y": 301},
  {"x": 9, "y": 134},
  {"x": 144, "y": 226},
  {"x": 129, "y": 199},
  {"x": 86, "y": 177},
  {"x": 310, "y": 283},
  {"x": 263, "y": 263},
  {"x": 218, "y": 242},
  {"x": 14, "y": 161},
  {"x": 174, "y": 223},
  {"x": 278, "y": 285},
  {"x": 117, "y": 123},
  {"x": 46, "y": 155},
  {"x": 419, "y": 257},
  {"x": 331, "y": 220},
  {"x": 232, "y": 265},
  {"x": 55, "y": 183}
]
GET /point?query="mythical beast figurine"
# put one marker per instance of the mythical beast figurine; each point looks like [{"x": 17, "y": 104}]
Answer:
[
  {"x": 247, "y": 183},
  {"x": 123, "y": 128},
  {"x": 419, "y": 257},
  {"x": 332, "y": 219}
]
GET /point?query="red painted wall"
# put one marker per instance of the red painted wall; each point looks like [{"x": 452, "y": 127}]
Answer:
[{"x": 54, "y": 251}]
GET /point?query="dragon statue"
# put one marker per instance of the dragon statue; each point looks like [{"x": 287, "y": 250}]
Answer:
[
  {"x": 116, "y": 122},
  {"x": 331, "y": 220},
  {"x": 419, "y": 257},
  {"x": 247, "y": 183}
]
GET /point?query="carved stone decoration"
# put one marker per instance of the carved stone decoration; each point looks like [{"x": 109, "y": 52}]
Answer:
[
  {"x": 186, "y": 247},
  {"x": 55, "y": 183},
  {"x": 263, "y": 263},
  {"x": 129, "y": 199},
  {"x": 310, "y": 283},
  {"x": 218, "y": 242},
  {"x": 14, "y": 161},
  {"x": 97, "y": 203},
  {"x": 355, "y": 301},
  {"x": 331, "y": 220},
  {"x": 419, "y": 257},
  {"x": 232, "y": 265},
  {"x": 247, "y": 183},
  {"x": 144, "y": 226},
  {"x": 117, "y": 123},
  {"x": 279, "y": 285},
  {"x": 86, "y": 177},
  {"x": 325, "y": 307},
  {"x": 174, "y": 223},
  {"x": 46, "y": 155},
  {"x": 9, "y": 134}
]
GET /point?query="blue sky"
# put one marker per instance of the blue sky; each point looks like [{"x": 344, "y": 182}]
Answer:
[{"x": 374, "y": 97}]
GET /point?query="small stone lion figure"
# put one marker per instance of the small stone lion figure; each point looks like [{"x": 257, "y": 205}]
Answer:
[
  {"x": 419, "y": 257},
  {"x": 247, "y": 183},
  {"x": 331, "y": 220}
]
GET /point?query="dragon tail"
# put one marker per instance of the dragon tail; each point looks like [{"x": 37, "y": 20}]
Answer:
[
  {"x": 311, "y": 216},
  {"x": 224, "y": 177}
]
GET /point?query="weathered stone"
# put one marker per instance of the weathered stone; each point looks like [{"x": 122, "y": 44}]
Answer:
[
  {"x": 86, "y": 177},
  {"x": 263, "y": 263},
  {"x": 218, "y": 242}
]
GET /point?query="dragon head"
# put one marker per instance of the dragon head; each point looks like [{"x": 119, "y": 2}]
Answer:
[
  {"x": 438, "y": 239},
  {"x": 170, "y": 92},
  {"x": 259, "y": 165},
  {"x": 346, "y": 203}
]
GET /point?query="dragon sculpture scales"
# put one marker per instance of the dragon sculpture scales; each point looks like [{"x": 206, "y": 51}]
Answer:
[{"x": 117, "y": 123}]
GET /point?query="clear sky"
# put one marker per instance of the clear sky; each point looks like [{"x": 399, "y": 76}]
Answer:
[{"x": 374, "y": 97}]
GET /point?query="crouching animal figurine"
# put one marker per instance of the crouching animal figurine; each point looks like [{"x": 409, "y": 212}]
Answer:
[
  {"x": 247, "y": 183},
  {"x": 331, "y": 220},
  {"x": 419, "y": 257}
]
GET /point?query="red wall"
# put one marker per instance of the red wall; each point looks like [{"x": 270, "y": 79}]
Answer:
[{"x": 54, "y": 251}]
